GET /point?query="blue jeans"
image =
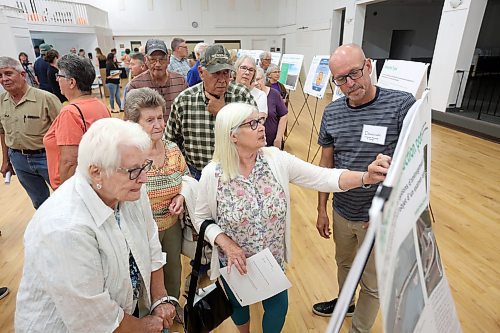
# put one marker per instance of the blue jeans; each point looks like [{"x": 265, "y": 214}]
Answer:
[
  {"x": 194, "y": 172},
  {"x": 33, "y": 175},
  {"x": 275, "y": 309},
  {"x": 114, "y": 94}
]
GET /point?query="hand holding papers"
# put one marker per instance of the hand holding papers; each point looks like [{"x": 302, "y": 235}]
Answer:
[{"x": 264, "y": 279}]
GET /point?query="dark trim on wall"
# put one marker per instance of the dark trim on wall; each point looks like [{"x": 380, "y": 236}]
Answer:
[{"x": 471, "y": 126}]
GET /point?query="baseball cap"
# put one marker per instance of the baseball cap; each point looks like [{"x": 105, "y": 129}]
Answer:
[
  {"x": 216, "y": 58},
  {"x": 44, "y": 48},
  {"x": 155, "y": 45}
]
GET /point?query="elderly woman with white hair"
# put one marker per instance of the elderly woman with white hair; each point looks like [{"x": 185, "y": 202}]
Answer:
[
  {"x": 91, "y": 251},
  {"x": 245, "y": 74},
  {"x": 245, "y": 191},
  {"x": 273, "y": 75}
]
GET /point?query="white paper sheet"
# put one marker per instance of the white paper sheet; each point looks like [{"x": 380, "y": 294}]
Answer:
[{"x": 264, "y": 279}]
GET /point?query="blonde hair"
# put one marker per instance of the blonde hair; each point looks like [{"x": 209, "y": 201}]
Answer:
[{"x": 229, "y": 118}]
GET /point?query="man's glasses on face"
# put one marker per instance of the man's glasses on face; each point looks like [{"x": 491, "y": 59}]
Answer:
[
  {"x": 254, "y": 123},
  {"x": 58, "y": 76},
  {"x": 267, "y": 59},
  {"x": 161, "y": 60},
  {"x": 353, "y": 75},
  {"x": 134, "y": 173},
  {"x": 245, "y": 68}
]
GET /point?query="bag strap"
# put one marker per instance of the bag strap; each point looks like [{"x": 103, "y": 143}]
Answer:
[
  {"x": 197, "y": 263},
  {"x": 83, "y": 119}
]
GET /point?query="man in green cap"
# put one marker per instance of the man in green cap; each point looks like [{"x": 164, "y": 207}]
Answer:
[{"x": 41, "y": 67}]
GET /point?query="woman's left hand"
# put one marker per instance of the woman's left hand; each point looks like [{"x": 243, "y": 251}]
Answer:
[
  {"x": 166, "y": 311},
  {"x": 377, "y": 169},
  {"x": 177, "y": 205}
]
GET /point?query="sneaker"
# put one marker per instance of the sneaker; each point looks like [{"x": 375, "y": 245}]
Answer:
[
  {"x": 3, "y": 292},
  {"x": 325, "y": 309}
]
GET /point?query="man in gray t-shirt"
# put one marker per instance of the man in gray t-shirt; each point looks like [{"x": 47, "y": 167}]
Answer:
[{"x": 354, "y": 130}]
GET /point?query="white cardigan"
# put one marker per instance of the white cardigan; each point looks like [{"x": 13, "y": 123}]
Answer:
[{"x": 286, "y": 168}]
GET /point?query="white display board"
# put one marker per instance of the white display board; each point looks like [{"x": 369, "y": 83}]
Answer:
[
  {"x": 318, "y": 76},
  {"x": 255, "y": 54},
  {"x": 291, "y": 65},
  {"x": 337, "y": 93},
  {"x": 275, "y": 58},
  {"x": 409, "y": 76}
]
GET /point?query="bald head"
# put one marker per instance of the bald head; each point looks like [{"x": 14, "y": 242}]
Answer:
[{"x": 347, "y": 53}]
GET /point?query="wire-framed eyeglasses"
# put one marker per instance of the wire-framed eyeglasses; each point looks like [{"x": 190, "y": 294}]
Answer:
[
  {"x": 134, "y": 173},
  {"x": 354, "y": 75}
]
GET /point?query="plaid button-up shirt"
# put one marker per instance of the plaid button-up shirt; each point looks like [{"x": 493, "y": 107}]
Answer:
[
  {"x": 191, "y": 126},
  {"x": 179, "y": 66}
]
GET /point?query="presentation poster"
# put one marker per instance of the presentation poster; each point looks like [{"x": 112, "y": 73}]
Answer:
[
  {"x": 291, "y": 65},
  {"x": 275, "y": 58},
  {"x": 318, "y": 76},
  {"x": 413, "y": 289},
  {"x": 404, "y": 75}
]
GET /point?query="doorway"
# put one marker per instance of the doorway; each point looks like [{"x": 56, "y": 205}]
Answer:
[{"x": 401, "y": 44}]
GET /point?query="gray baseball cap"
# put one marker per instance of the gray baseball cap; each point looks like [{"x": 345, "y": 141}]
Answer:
[
  {"x": 216, "y": 58},
  {"x": 155, "y": 45}
]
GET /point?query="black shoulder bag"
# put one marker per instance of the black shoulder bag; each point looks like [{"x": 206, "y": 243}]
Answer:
[
  {"x": 83, "y": 119},
  {"x": 213, "y": 307}
]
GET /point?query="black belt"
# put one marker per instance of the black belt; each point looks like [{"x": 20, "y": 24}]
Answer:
[{"x": 29, "y": 151}]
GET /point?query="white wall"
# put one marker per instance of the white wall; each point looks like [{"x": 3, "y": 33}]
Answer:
[{"x": 15, "y": 34}]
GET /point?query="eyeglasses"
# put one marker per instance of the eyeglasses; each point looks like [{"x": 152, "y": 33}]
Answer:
[
  {"x": 354, "y": 75},
  {"x": 183, "y": 46},
  {"x": 161, "y": 60},
  {"x": 254, "y": 123},
  {"x": 134, "y": 173},
  {"x": 245, "y": 68},
  {"x": 268, "y": 59},
  {"x": 62, "y": 76},
  {"x": 275, "y": 72}
]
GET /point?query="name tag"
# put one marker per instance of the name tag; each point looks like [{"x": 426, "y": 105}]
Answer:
[{"x": 374, "y": 134}]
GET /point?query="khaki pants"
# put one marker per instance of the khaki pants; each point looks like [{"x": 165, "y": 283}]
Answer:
[
  {"x": 348, "y": 237},
  {"x": 171, "y": 241}
]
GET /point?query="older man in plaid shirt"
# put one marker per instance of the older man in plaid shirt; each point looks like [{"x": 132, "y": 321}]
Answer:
[{"x": 192, "y": 119}]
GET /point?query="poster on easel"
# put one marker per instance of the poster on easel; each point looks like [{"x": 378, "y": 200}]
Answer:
[
  {"x": 409, "y": 76},
  {"x": 337, "y": 93},
  {"x": 275, "y": 58},
  {"x": 291, "y": 65},
  {"x": 251, "y": 53},
  {"x": 318, "y": 76}
]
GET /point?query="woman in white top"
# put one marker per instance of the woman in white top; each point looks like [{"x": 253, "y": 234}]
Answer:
[
  {"x": 91, "y": 250},
  {"x": 245, "y": 191},
  {"x": 245, "y": 74}
]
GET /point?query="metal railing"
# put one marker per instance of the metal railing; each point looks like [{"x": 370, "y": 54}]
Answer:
[{"x": 54, "y": 12}]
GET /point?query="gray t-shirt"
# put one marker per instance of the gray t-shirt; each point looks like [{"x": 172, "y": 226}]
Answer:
[{"x": 342, "y": 127}]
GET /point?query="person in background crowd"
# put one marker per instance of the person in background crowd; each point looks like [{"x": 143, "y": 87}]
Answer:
[
  {"x": 191, "y": 60},
  {"x": 157, "y": 77},
  {"x": 192, "y": 119},
  {"x": 245, "y": 190},
  {"x": 26, "y": 114},
  {"x": 137, "y": 67},
  {"x": 52, "y": 58},
  {"x": 193, "y": 77},
  {"x": 37, "y": 51},
  {"x": 273, "y": 75},
  {"x": 245, "y": 75},
  {"x": 178, "y": 60},
  {"x": 28, "y": 68},
  {"x": 72, "y": 50},
  {"x": 92, "y": 256},
  {"x": 276, "y": 112},
  {"x": 100, "y": 58},
  {"x": 61, "y": 141},
  {"x": 265, "y": 60},
  {"x": 113, "y": 82},
  {"x": 81, "y": 53},
  {"x": 126, "y": 61},
  {"x": 341, "y": 138},
  {"x": 41, "y": 67},
  {"x": 136, "y": 50}
]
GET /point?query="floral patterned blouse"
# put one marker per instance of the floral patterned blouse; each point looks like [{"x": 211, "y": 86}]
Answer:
[{"x": 252, "y": 211}]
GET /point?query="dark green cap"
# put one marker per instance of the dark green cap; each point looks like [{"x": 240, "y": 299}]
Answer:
[{"x": 216, "y": 58}]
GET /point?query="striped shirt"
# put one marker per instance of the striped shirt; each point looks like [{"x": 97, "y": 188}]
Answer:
[
  {"x": 191, "y": 126},
  {"x": 175, "y": 85},
  {"x": 342, "y": 127},
  {"x": 179, "y": 66}
]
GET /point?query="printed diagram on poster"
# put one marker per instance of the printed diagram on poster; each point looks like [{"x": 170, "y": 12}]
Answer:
[
  {"x": 291, "y": 65},
  {"x": 409, "y": 76},
  {"x": 318, "y": 76},
  {"x": 337, "y": 93}
]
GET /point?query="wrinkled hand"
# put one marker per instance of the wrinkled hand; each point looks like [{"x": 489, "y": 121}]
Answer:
[
  {"x": 166, "y": 312},
  {"x": 214, "y": 103},
  {"x": 235, "y": 256},
  {"x": 377, "y": 170},
  {"x": 151, "y": 324},
  {"x": 176, "y": 207},
  {"x": 323, "y": 225},
  {"x": 6, "y": 166}
]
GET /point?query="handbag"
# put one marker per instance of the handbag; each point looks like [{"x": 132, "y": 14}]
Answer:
[{"x": 212, "y": 307}]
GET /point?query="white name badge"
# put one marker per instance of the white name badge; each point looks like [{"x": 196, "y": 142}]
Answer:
[{"x": 374, "y": 134}]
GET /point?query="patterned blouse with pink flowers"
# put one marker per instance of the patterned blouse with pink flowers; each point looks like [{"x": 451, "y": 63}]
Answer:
[{"x": 252, "y": 211}]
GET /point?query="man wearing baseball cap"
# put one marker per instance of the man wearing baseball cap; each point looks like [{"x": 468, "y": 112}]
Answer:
[
  {"x": 192, "y": 120},
  {"x": 40, "y": 66},
  {"x": 157, "y": 77}
]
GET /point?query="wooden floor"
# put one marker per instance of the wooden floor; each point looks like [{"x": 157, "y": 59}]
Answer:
[{"x": 465, "y": 199}]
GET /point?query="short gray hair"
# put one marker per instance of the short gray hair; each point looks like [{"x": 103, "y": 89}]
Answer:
[
  {"x": 265, "y": 54},
  {"x": 176, "y": 42},
  {"x": 79, "y": 69},
  {"x": 260, "y": 72},
  {"x": 138, "y": 56},
  {"x": 102, "y": 144},
  {"x": 8, "y": 62},
  {"x": 271, "y": 68},
  {"x": 240, "y": 60},
  {"x": 199, "y": 48},
  {"x": 138, "y": 99}
]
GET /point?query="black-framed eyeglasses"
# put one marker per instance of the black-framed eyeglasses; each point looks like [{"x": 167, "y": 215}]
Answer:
[
  {"x": 354, "y": 75},
  {"x": 134, "y": 173},
  {"x": 62, "y": 76},
  {"x": 245, "y": 68},
  {"x": 254, "y": 123}
]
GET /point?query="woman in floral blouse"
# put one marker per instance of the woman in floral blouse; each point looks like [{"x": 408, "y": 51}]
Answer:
[
  {"x": 245, "y": 190},
  {"x": 146, "y": 107}
]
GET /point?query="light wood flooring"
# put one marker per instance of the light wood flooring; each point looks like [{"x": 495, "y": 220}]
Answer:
[{"x": 465, "y": 199}]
